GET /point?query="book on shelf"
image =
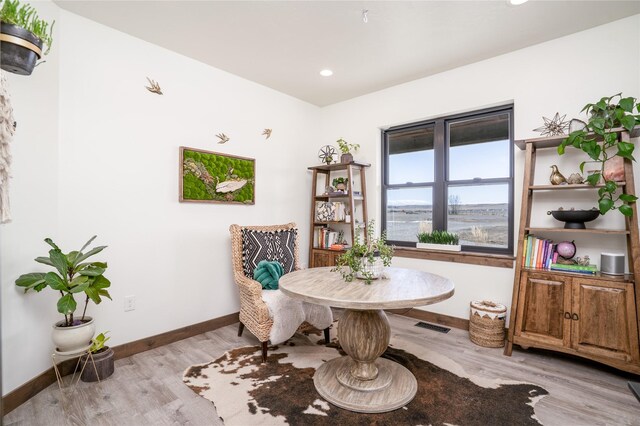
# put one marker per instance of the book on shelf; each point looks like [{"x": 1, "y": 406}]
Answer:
[
  {"x": 538, "y": 253},
  {"x": 581, "y": 269}
]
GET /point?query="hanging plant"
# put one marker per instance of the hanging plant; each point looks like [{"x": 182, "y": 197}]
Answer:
[
  {"x": 601, "y": 143},
  {"x": 23, "y": 35}
]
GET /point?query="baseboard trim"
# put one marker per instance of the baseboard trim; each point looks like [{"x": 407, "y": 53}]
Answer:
[
  {"x": 142, "y": 345},
  {"x": 432, "y": 317},
  {"x": 23, "y": 393}
]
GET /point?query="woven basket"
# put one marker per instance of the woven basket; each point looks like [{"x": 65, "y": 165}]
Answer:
[{"x": 486, "y": 325}]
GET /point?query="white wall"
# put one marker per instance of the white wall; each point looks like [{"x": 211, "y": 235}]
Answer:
[
  {"x": 561, "y": 75},
  {"x": 114, "y": 173},
  {"x": 102, "y": 158},
  {"x": 35, "y": 209}
]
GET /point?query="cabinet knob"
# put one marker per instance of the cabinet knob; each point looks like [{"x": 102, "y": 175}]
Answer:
[
  {"x": 567, "y": 315},
  {"x": 575, "y": 317}
]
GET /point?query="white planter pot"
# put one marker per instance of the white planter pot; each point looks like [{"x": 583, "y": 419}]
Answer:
[
  {"x": 444, "y": 247},
  {"x": 375, "y": 268},
  {"x": 75, "y": 339}
]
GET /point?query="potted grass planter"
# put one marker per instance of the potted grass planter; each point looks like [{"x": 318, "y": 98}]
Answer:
[
  {"x": 23, "y": 35},
  {"x": 438, "y": 240}
]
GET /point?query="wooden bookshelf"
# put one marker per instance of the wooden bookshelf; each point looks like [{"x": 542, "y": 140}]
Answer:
[
  {"x": 355, "y": 198},
  {"x": 571, "y": 312}
]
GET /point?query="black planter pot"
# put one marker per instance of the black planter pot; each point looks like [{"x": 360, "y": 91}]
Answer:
[
  {"x": 19, "y": 49},
  {"x": 104, "y": 365}
]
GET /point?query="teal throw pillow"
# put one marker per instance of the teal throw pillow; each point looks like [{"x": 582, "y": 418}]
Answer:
[{"x": 268, "y": 273}]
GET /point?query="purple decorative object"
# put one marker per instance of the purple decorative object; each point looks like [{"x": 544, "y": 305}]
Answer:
[{"x": 566, "y": 249}]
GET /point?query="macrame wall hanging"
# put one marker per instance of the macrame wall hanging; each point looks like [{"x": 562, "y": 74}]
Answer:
[{"x": 7, "y": 128}]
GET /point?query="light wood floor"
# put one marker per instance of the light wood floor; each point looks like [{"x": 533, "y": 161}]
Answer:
[{"x": 147, "y": 388}]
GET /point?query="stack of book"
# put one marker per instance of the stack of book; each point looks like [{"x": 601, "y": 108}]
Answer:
[
  {"x": 538, "y": 253},
  {"x": 578, "y": 269},
  {"x": 326, "y": 238}
]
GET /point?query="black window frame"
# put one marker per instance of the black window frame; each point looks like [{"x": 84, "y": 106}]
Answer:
[{"x": 441, "y": 182}]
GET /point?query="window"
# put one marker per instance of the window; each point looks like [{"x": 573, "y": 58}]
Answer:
[{"x": 453, "y": 173}]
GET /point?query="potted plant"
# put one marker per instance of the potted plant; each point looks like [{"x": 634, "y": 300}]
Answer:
[
  {"x": 340, "y": 183},
  {"x": 346, "y": 149},
  {"x": 102, "y": 365},
  {"x": 600, "y": 142},
  {"x": 438, "y": 240},
  {"x": 365, "y": 260},
  {"x": 72, "y": 276},
  {"x": 23, "y": 35}
]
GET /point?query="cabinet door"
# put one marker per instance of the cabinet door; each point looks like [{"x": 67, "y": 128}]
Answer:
[
  {"x": 544, "y": 299},
  {"x": 605, "y": 322},
  {"x": 322, "y": 258}
]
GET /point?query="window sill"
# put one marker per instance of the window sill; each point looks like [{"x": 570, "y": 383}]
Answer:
[{"x": 484, "y": 259}]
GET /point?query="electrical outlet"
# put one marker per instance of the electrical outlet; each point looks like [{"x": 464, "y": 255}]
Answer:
[{"x": 129, "y": 303}]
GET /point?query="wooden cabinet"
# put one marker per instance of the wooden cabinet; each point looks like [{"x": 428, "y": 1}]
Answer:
[
  {"x": 321, "y": 257},
  {"x": 596, "y": 317},
  {"x": 354, "y": 199},
  {"x": 604, "y": 322},
  {"x": 544, "y": 298}
]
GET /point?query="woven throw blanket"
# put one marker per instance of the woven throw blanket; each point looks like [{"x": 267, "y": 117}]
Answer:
[{"x": 289, "y": 313}]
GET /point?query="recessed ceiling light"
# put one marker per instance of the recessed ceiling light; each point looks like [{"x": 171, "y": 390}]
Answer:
[
  {"x": 326, "y": 73},
  {"x": 517, "y": 2}
]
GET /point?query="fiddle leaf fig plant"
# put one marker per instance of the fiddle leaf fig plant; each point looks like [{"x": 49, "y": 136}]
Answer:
[
  {"x": 601, "y": 143},
  {"x": 71, "y": 276}
]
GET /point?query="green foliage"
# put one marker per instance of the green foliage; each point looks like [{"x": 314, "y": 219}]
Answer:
[
  {"x": 339, "y": 180},
  {"x": 72, "y": 276},
  {"x": 600, "y": 143},
  {"x": 98, "y": 342},
  {"x": 217, "y": 166},
  {"x": 350, "y": 263},
  {"x": 25, "y": 16},
  {"x": 439, "y": 237},
  {"x": 346, "y": 147}
]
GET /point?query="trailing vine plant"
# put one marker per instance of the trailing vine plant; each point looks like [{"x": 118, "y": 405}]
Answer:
[
  {"x": 601, "y": 143},
  {"x": 350, "y": 263}
]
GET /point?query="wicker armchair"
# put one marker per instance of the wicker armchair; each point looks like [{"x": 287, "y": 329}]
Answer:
[{"x": 254, "y": 313}]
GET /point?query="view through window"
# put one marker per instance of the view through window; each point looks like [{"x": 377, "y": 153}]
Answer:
[{"x": 455, "y": 174}]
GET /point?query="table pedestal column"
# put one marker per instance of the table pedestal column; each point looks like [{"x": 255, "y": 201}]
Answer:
[{"x": 362, "y": 381}]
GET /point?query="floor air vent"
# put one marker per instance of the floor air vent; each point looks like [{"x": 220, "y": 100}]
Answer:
[{"x": 438, "y": 328}]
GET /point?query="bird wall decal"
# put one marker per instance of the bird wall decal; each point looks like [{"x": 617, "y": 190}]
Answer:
[
  {"x": 153, "y": 87},
  {"x": 267, "y": 133},
  {"x": 223, "y": 138}
]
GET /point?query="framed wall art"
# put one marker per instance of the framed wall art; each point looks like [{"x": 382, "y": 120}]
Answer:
[{"x": 211, "y": 177}]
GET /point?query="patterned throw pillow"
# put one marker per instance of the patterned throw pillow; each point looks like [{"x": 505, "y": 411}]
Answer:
[{"x": 272, "y": 246}]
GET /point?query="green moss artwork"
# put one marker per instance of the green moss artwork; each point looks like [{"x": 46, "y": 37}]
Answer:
[{"x": 211, "y": 177}]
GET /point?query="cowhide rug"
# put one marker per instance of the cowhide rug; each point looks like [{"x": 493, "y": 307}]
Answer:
[{"x": 281, "y": 391}]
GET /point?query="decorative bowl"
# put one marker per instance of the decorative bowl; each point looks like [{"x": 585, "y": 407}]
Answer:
[{"x": 575, "y": 219}]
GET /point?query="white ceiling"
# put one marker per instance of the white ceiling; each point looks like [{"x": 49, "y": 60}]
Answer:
[{"x": 284, "y": 45}]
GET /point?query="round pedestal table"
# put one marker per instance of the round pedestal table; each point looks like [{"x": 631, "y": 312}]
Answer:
[{"x": 362, "y": 381}]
